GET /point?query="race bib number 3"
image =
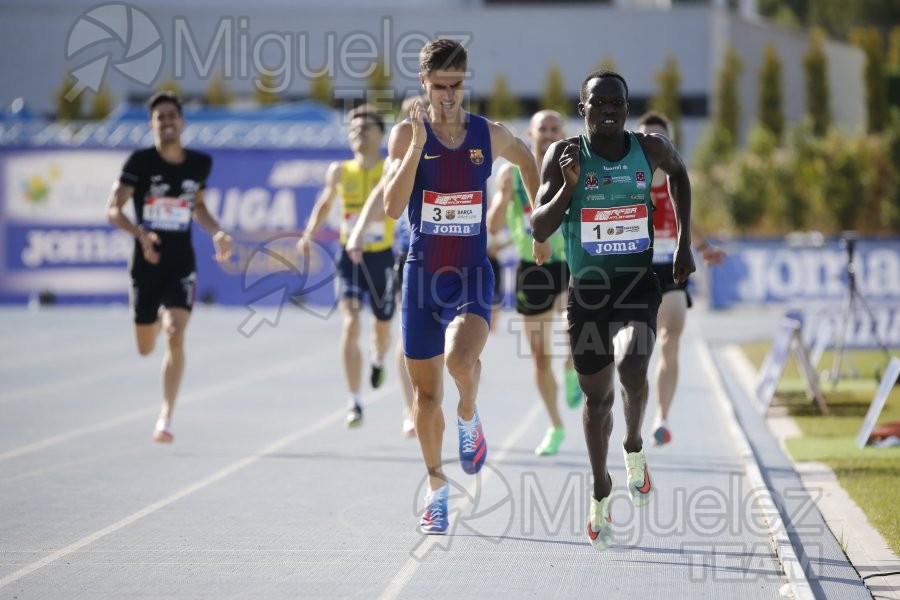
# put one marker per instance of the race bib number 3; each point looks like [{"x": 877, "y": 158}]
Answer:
[
  {"x": 620, "y": 230},
  {"x": 167, "y": 214},
  {"x": 457, "y": 214}
]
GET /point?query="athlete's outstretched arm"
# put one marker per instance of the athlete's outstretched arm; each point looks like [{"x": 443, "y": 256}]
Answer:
[
  {"x": 404, "y": 152},
  {"x": 373, "y": 209},
  {"x": 513, "y": 149},
  {"x": 505, "y": 144},
  {"x": 221, "y": 240},
  {"x": 323, "y": 205},
  {"x": 496, "y": 216},
  {"x": 668, "y": 159},
  {"x": 559, "y": 175},
  {"x": 122, "y": 193}
]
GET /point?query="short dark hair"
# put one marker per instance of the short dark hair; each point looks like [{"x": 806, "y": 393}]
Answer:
[
  {"x": 654, "y": 118},
  {"x": 602, "y": 75},
  {"x": 442, "y": 53},
  {"x": 162, "y": 98},
  {"x": 367, "y": 112}
]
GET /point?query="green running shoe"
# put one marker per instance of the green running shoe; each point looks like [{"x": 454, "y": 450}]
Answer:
[
  {"x": 573, "y": 392},
  {"x": 552, "y": 439}
]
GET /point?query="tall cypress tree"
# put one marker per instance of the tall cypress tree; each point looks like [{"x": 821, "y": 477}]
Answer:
[
  {"x": 381, "y": 92},
  {"x": 668, "y": 98},
  {"x": 728, "y": 105},
  {"x": 503, "y": 104},
  {"x": 264, "y": 89},
  {"x": 817, "y": 99},
  {"x": 770, "y": 108},
  {"x": 868, "y": 39},
  {"x": 217, "y": 92},
  {"x": 68, "y": 108},
  {"x": 554, "y": 96},
  {"x": 320, "y": 89},
  {"x": 101, "y": 103}
]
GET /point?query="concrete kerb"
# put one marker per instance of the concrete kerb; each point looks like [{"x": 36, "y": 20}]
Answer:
[
  {"x": 865, "y": 548},
  {"x": 798, "y": 585}
]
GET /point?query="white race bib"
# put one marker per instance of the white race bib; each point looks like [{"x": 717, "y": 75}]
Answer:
[
  {"x": 526, "y": 216},
  {"x": 456, "y": 214},
  {"x": 620, "y": 230},
  {"x": 374, "y": 232},
  {"x": 663, "y": 249},
  {"x": 167, "y": 214}
]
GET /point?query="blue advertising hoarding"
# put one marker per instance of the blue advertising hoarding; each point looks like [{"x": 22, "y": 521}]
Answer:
[
  {"x": 812, "y": 284},
  {"x": 56, "y": 240}
]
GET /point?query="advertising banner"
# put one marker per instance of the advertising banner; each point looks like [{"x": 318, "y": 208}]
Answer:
[
  {"x": 57, "y": 243},
  {"x": 812, "y": 283}
]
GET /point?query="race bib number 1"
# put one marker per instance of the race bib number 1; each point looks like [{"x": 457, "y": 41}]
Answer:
[
  {"x": 620, "y": 230},
  {"x": 456, "y": 214},
  {"x": 167, "y": 214}
]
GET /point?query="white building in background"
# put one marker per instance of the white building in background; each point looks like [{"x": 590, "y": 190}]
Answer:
[{"x": 42, "y": 40}]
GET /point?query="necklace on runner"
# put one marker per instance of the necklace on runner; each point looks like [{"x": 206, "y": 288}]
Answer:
[{"x": 452, "y": 137}]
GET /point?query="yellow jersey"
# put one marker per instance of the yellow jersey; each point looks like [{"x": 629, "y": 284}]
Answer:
[{"x": 354, "y": 188}]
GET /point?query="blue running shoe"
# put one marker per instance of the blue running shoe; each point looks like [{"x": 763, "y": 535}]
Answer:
[
  {"x": 472, "y": 447},
  {"x": 434, "y": 519}
]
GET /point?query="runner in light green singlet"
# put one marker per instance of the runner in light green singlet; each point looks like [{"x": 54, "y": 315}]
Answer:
[{"x": 540, "y": 289}]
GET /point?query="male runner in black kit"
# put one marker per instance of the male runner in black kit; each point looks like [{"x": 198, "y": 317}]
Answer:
[{"x": 166, "y": 183}]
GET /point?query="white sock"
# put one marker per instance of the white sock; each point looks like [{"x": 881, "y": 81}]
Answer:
[
  {"x": 470, "y": 422},
  {"x": 441, "y": 492},
  {"x": 355, "y": 400},
  {"x": 163, "y": 423},
  {"x": 376, "y": 362}
]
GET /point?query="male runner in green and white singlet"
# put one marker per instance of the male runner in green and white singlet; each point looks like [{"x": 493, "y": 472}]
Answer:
[{"x": 597, "y": 186}]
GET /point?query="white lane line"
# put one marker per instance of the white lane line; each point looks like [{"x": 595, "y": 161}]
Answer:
[
  {"x": 189, "y": 398},
  {"x": 762, "y": 495},
  {"x": 408, "y": 570},
  {"x": 105, "y": 372},
  {"x": 58, "y": 351},
  {"x": 231, "y": 469}
]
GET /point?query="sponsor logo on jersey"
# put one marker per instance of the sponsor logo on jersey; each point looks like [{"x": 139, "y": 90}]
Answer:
[{"x": 641, "y": 179}]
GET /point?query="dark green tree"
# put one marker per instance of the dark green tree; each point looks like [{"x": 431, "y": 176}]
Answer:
[
  {"x": 503, "y": 104},
  {"x": 320, "y": 89},
  {"x": 217, "y": 92},
  {"x": 668, "y": 96},
  {"x": 101, "y": 104},
  {"x": 380, "y": 90},
  {"x": 845, "y": 189},
  {"x": 728, "y": 106},
  {"x": 890, "y": 204},
  {"x": 265, "y": 89},
  {"x": 770, "y": 109},
  {"x": 817, "y": 98},
  {"x": 869, "y": 41},
  {"x": 607, "y": 63},
  {"x": 170, "y": 85},
  {"x": 554, "y": 96},
  {"x": 893, "y": 57},
  {"x": 68, "y": 103}
]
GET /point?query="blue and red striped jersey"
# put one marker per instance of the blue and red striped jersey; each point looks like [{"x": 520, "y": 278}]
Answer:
[{"x": 448, "y": 206}]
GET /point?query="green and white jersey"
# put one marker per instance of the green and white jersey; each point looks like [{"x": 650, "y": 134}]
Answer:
[{"x": 609, "y": 225}]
